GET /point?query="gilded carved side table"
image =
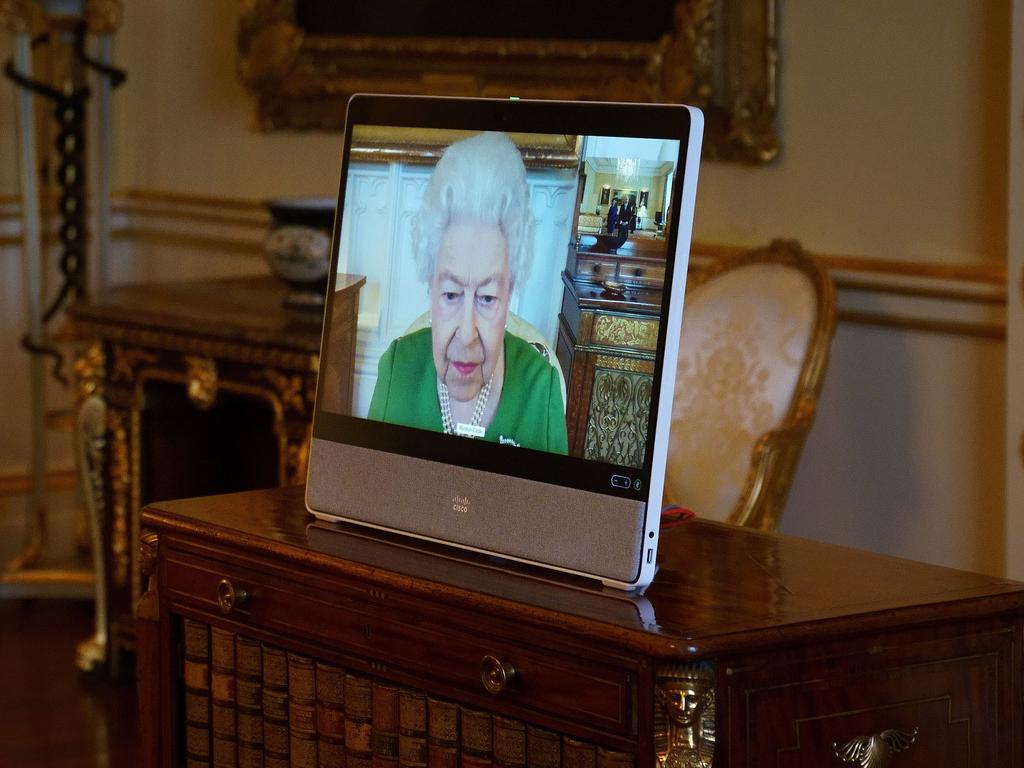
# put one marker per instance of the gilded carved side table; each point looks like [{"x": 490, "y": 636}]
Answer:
[{"x": 189, "y": 388}]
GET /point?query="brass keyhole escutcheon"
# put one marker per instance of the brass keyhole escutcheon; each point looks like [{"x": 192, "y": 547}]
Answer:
[
  {"x": 495, "y": 674},
  {"x": 230, "y": 597}
]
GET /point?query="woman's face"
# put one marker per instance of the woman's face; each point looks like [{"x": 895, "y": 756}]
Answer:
[{"x": 469, "y": 295}]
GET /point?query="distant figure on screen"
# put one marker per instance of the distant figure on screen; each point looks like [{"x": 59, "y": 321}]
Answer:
[
  {"x": 465, "y": 373},
  {"x": 613, "y": 216}
]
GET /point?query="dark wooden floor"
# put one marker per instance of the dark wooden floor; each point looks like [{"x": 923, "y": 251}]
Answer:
[{"x": 50, "y": 717}]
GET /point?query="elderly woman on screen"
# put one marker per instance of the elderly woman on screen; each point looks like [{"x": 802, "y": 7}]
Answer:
[{"x": 465, "y": 374}]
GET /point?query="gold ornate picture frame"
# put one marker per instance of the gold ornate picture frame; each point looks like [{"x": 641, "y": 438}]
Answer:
[{"x": 720, "y": 55}]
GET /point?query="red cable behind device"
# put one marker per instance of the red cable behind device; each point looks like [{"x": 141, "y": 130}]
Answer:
[{"x": 673, "y": 515}]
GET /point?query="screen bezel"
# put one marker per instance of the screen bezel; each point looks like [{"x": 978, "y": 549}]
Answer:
[{"x": 519, "y": 116}]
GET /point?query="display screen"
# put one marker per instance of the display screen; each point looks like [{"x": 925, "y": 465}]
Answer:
[{"x": 511, "y": 310}]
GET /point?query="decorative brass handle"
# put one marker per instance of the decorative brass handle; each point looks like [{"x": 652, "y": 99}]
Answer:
[
  {"x": 495, "y": 674},
  {"x": 614, "y": 288},
  {"x": 230, "y": 597},
  {"x": 875, "y": 751}
]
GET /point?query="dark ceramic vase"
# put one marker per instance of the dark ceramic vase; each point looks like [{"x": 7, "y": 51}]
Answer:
[{"x": 298, "y": 247}]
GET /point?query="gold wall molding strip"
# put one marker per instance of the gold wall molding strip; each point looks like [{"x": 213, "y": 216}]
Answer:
[
  {"x": 132, "y": 194},
  {"x": 996, "y": 296},
  {"x": 183, "y": 239},
  {"x": 134, "y": 200},
  {"x": 975, "y": 273},
  {"x": 236, "y": 225},
  {"x": 199, "y": 216},
  {"x": 56, "y": 480},
  {"x": 48, "y": 577},
  {"x": 982, "y": 330},
  {"x": 15, "y": 240}
]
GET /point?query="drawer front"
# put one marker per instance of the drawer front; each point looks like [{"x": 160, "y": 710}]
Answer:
[
  {"x": 642, "y": 275},
  {"x": 897, "y": 706},
  {"x": 246, "y": 702},
  {"x": 595, "y": 270},
  {"x": 387, "y": 630}
]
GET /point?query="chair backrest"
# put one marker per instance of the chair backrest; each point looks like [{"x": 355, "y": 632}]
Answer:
[
  {"x": 753, "y": 352},
  {"x": 517, "y": 327}
]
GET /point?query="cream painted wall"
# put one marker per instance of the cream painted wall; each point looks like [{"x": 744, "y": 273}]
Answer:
[
  {"x": 186, "y": 124},
  {"x": 15, "y": 429},
  {"x": 890, "y": 113},
  {"x": 14, "y": 386},
  {"x": 8, "y": 137},
  {"x": 893, "y": 127},
  {"x": 905, "y": 456}
]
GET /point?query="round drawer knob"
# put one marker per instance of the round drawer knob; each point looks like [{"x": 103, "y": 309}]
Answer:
[
  {"x": 230, "y": 597},
  {"x": 495, "y": 674}
]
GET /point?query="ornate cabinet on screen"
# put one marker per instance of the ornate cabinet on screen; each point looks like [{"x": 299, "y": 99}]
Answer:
[
  {"x": 190, "y": 388},
  {"x": 607, "y": 338},
  {"x": 748, "y": 649}
]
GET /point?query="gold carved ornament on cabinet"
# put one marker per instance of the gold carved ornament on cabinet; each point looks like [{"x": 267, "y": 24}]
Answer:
[{"x": 684, "y": 716}]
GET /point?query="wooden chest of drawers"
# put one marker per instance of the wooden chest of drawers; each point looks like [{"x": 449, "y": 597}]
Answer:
[{"x": 748, "y": 650}]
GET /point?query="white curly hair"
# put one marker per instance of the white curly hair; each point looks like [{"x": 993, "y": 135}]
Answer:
[{"x": 483, "y": 179}]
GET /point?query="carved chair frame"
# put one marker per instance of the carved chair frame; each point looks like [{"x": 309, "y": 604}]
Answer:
[{"x": 776, "y": 453}]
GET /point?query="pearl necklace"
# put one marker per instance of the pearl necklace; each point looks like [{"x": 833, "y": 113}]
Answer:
[{"x": 478, "y": 412}]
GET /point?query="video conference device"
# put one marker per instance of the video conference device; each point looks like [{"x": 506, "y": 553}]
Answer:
[{"x": 451, "y": 425}]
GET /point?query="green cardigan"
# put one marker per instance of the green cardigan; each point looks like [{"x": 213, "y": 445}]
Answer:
[{"x": 530, "y": 413}]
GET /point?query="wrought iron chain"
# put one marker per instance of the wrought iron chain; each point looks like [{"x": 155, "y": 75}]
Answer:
[{"x": 69, "y": 112}]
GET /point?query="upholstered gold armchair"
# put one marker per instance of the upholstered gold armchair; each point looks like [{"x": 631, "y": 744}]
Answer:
[{"x": 752, "y": 357}]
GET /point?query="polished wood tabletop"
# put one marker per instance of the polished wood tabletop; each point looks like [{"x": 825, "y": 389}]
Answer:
[
  {"x": 717, "y": 585},
  {"x": 245, "y": 309}
]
